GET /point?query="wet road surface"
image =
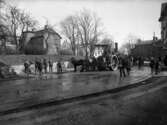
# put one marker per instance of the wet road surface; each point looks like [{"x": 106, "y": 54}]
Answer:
[
  {"x": 144, "y": 105},
  {"x": 27, "y": 92}
]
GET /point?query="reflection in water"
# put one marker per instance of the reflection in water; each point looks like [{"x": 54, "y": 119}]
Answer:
[
  {"x": 61, "y": 86},
  {"x": 66, "y": 85}
]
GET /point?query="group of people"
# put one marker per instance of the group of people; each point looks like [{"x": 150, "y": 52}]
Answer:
[
  {"x": 155, "y": 65},
  {"x": 124, "y": 66},
  {"x": 41, "y": 66}
]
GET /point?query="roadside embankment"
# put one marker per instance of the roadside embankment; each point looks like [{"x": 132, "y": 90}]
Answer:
[
  {"x": 16, "y": 62},
  {"x": 20, "y": 59}
]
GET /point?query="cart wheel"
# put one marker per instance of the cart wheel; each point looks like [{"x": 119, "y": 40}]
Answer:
[{"x": 114, "y": 62}]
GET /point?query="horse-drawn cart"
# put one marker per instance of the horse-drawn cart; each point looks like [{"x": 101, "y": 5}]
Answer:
[{"x": 103, "y": 59}]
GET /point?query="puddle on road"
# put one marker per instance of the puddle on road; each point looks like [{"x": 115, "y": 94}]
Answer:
[{"x": 62, "y": 85}]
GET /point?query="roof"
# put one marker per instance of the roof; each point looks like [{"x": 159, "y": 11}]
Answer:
[
  {"x": 102, "y": 45},
  {"x": 163, "y": 11},
  {"x": 145, "y": 42},
  {"x": 50, "y": 30},
  {"x": 37, "y": 37},
  {"x": 157, "y": 43}
]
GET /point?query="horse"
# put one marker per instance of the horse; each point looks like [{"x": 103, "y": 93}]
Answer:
[
  {"x": 76, "y": 63},
  {"x": 86, "y": 64}
]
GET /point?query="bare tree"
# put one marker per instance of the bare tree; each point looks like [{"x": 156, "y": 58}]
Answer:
[
  {"x": 82, "y": 29},
  {"x": 2, "y": 2},
  {"x": 69, "y": 27},
  {"x": 130, "y": 42},
  {"x": 18, "y": 22},
  {"x": 4, "y": 33},
  {"x": 2, "y": 16},
  {"x": 13, "y": 22},
  {"x": 88, "y": 30},
  {"x": 26, "y": 22}
]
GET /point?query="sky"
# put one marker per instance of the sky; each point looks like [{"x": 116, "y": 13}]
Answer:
[{"x": 120, "y": 18}]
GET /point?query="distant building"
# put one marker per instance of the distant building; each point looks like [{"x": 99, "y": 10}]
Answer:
[
  {"x": 101, "y": 48},
  {"x": 45, "y": 41},
  {"x": 149, "y": 48},
  {"x": 155, "y": 47},
  {"x": 163, "y": 20}
]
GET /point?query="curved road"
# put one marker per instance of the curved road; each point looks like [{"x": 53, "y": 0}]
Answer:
[{"x": 27, "y": 92}]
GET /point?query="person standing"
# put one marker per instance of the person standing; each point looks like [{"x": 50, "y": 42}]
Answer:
[
  {"x": 40, "y": 67},
  {"x": 36, "y": 65},
  {"x": 26, "y": 66},
  {"x": 128, "y": 65},
  {"x": 122, "y": 67},
  {"x": 156, "y": 66},
  {"x": 50, "y": 65},
  {"x": 45, "y": 65},
  {"x": 152, "y": 65},
  {"x": 139, "y": 63},
  {"x": 59, "y": 67}
]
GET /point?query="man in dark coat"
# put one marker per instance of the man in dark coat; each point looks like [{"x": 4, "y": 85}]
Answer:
[
  {"x": 127, "y": 65},
  {"x": 152, "y": 65},
  {"x": 50, "y": 65},
  {"x": 156, "y": 66},
  {"x": 122, "y": 67},
  {"x": 45, "y": 64},
  {"x": 59, "y": 67}
]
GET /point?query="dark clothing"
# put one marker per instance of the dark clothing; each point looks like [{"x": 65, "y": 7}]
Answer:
[
  {"x": 39, "y": 64},
  {"x": 152, "y": 65},
  {"x": 122, "y": 67},
  {"x": 165, "y": 60},
  {"x": 36, "y": 66},
  {"x": 140, "y": 62},
  {"x": 122, "y": 72},
  {"x": 59, "y": 67},
  {"x": 127, "y": 64},
  {"x": 45, "y": 65},
  {"x": 156, "y": 67},
  {"x": 50, "y": 66},
  {"x": 26, "y": 67}
]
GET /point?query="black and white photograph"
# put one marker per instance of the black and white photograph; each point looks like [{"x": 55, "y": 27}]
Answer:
[{"x": 83, "y": 62}]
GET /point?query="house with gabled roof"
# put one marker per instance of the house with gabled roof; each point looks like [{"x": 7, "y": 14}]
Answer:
[{"x": 45, "y": 41}]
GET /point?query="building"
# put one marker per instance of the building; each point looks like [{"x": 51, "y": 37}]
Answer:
[
  {"x": 99, "y": 50},
  {"x": 148, "y": 48},
  {"x": 155, "y": 47},
  {"x": 104, "y": 48},
  {"x": 45, "y": 41},
  {"x": 163, "y": 20}
]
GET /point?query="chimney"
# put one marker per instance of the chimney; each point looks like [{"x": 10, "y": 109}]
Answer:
[
  {"x": 116, "y": 47},
  {"x": 46, "y": 27}
]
